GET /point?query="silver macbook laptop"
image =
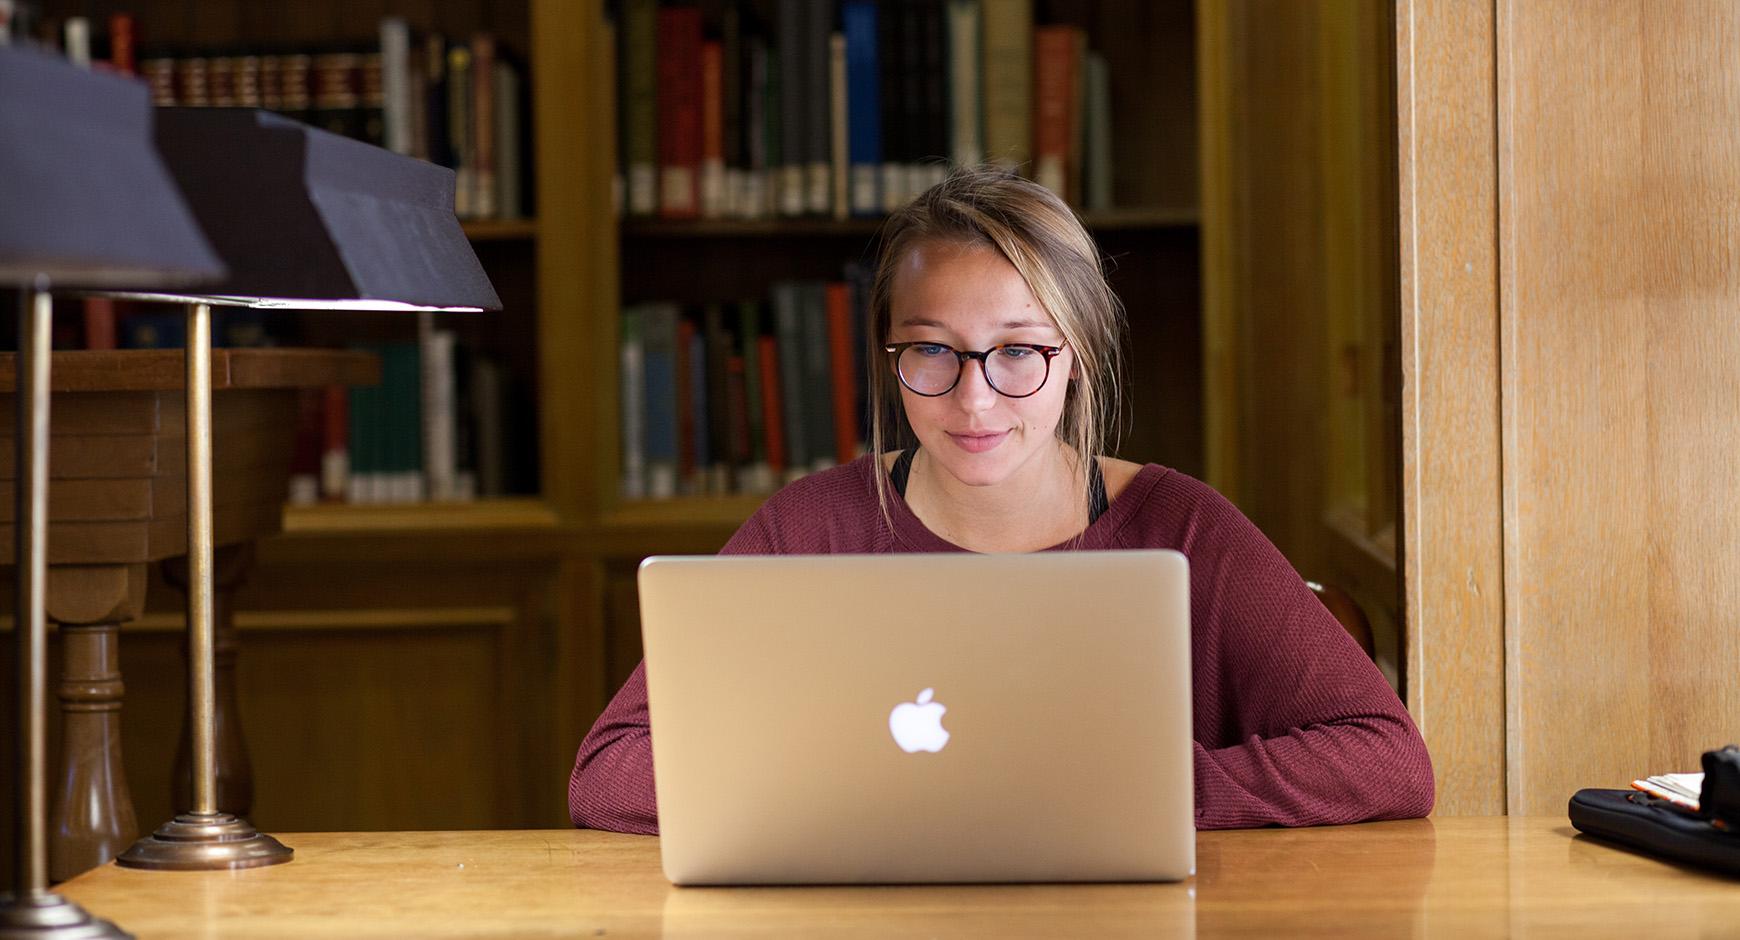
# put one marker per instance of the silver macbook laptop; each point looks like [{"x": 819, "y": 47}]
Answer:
[{"x": 862, "y": 719}]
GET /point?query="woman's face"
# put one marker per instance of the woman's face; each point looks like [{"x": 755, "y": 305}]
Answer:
[{"x": 972, "y": 298}]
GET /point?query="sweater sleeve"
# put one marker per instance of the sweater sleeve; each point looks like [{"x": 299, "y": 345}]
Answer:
[
  {"x": 611, "y": 786},
  {"x": 1294, "y": 724}
]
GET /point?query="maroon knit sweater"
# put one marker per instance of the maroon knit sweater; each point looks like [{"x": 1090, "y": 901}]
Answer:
[{"x": 1293, "y": 724}]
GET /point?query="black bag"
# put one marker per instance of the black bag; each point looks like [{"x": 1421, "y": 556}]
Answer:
[{"x": 1656, "y": 827}]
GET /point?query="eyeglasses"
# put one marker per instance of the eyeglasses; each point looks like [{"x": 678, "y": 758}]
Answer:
[{"x": 1013, "y": 370}]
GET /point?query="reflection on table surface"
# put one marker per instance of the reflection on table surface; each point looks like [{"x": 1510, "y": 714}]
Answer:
[{"x": 1437, "y": 877}]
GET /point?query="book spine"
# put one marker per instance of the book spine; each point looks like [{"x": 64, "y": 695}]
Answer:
[
  {"x": 660, "y": 330},
  {"x": 335, "y": 450},
  {"x": 510, "y": 199},
  {"x": 864, "y": 106},
  {"x": 100, "y": 323},
  {"x": 818, "y": 400},
  {"x": 914, "y": 100},
  {"x": 841, "y": 373},
  {"x": 840, "y": 164},
  {"x": 640, "y": 66},
  {"x": 459, "y": 132},
  {"x": 1053, "y": 48},
  {"x": 439, "y": 417},
  {"x": 1008, "y": 81},
  {"x": 395, "y": 83},
  {"x": 818, "y": 107},
  {"x": 702, "y": 441},
  {"x": 489, "y": 410},
  {"x": 1097, "y": 150},
  {"x": 686, "y": 456},
  {"x": 123, "y": 50},
  {"x": 964, "y": 70},
  {"x": 718, "y": 353},
  {"x": 732, "y": 84},
  {"x": 936, "y": 93},
  {"x": 483, "y": 119},
  {"x": 712, "y": 130},
  {"x": 757, "y": 478},
  {"x": 793, "y": 113},
  {"x": 772, "y": 410},
  {"x": 895, "y": 130},
  {"x": 737, "y": 416},
  {"x": 763, "y": 130},
  {"x": 679, "y": 97},
  {"x": 631, "y": 375},
  {"x": 788, "y": 319}
]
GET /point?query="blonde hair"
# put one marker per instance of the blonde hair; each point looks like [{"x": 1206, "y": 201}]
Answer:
[{"x": 1041, "y": 237}]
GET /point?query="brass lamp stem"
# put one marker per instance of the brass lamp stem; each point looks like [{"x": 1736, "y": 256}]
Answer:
[
  {"x": 31, "y": 555},
  {"x": 30, "y": 909},
  {"x": 201, "y": 684}
]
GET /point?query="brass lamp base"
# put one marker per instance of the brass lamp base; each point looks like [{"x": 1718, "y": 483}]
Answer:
[
  {"x": 48, "y": 916},
  {"x": 205, "y": 842}
]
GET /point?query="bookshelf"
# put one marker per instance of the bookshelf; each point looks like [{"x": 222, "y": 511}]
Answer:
[
  {"x": 1151, "y": 236},
  {"x": 364, "y": 649}
]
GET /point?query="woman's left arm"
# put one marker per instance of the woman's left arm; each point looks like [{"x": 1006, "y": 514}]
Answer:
[{"x": 1294, "y": 724}]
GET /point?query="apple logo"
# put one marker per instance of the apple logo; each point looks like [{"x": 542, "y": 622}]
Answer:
[{"x": 917, "y": 726}]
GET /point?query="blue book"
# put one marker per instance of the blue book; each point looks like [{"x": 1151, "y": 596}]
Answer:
[
  {"x": 863, "y": 106},
  {"x": 702, "y": 438}
]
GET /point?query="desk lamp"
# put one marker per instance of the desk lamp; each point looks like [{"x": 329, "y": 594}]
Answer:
[
  {"x": 84, "y": 202},
  {"x": 302, "y": 219}
]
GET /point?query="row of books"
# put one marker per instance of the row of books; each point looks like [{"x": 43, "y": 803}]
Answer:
[
  {"x": 438, "y": 427},
  {"x": 741, "y": 398},
  {"x": 850, "y": 107},
  {"x": 458, "y": 104}
]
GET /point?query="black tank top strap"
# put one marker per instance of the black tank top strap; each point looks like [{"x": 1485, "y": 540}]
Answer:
[
  {"x": 1098, "y": 503},
  {"x": 901, "y": 470}
]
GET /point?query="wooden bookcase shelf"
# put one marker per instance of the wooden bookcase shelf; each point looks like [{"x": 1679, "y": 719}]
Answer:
[
  {"x": 488, "y": 230},
  {"x": 483, "y": 515}
]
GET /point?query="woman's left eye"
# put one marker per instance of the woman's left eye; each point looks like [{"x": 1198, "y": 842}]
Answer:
[{"x": 1015, "y": 352}]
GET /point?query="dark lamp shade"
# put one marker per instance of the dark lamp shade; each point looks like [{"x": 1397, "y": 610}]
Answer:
[
  {"x": 308, "y": 219},
  {"x": 84, "y": 199}
]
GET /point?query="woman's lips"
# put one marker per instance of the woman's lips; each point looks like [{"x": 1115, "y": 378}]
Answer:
[{"x": 977, "y": 443}]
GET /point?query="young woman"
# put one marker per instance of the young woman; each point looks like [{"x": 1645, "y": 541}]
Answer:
[{"x": 993, "y": 319}]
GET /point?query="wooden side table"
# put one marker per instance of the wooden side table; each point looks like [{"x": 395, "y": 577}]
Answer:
[{"x": 117, "y": 504}]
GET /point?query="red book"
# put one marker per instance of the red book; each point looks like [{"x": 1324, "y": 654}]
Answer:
[
  {"x": 335, "y": 447},
  {"x": 99, "y": 323},
  {"x": 1055, "y": 64},
  {"x": 679, "y": 62},
  {"x": 122, "y": 56},
  {"x": 712, "y": 180},
  {"x": 773, "y": 416},
  {"x": 841, "y": 374}
]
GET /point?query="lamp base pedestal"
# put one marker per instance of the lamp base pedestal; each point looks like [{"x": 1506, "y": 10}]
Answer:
[
  {"x": 205, "y": 842},
  {"x": 48, "y": 916}
]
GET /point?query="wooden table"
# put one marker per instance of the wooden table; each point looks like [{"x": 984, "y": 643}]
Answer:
[
  {"x": 1452, "y": 877},
  {"x": 117, "y": 503}
]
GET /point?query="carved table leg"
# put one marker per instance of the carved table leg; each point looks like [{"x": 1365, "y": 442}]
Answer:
[
  {"x": 92, "y": 820},
  {"x": 235, "y": 773}
]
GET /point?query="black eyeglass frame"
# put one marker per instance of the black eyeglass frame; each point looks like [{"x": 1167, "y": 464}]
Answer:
[{"x": 962, "y": 355}]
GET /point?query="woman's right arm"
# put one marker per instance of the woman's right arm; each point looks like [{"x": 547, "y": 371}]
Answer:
[{"x": 612, "y": 783}]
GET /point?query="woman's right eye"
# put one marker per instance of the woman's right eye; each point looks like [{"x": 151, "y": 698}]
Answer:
[{"x": 931, "y": 349}]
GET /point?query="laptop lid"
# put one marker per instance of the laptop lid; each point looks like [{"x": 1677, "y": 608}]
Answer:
[{"x": 921, "y": 718}]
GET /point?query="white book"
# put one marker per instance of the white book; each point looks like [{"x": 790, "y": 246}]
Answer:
[
  {"x": 439, "y": 456},
  {"x": 713, "y": 188},
  {"x": 791, "y": 189},
  {"x": 894, "y": 192},
  {"x": 964, "y": 104},
  {"x": 396, "y": 83},
  {"x": 76, "y": 41}
]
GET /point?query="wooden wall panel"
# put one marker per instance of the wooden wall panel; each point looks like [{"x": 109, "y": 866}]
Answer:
[
  {"x": 1619, "y": 159},
  {"x": 1298, "y": 222},
  {"x": 1452, "y": 544}
]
